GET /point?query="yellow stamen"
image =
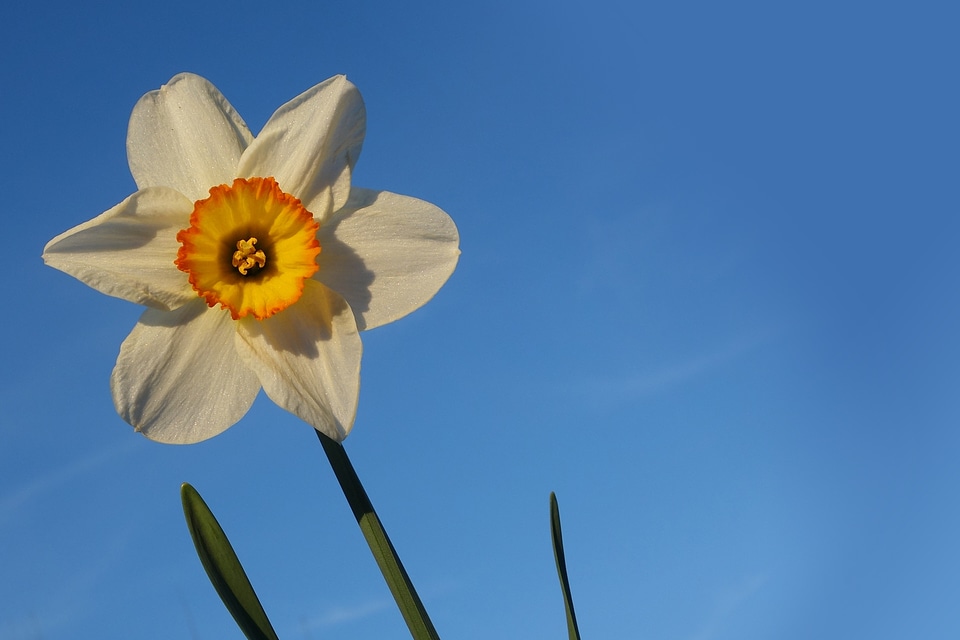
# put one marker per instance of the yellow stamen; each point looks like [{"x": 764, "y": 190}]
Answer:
[
  {"x": 249, "y": 248},
  {"x": 247, "y": 257}
]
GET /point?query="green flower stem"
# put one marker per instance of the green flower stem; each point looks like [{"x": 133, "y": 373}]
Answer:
[
  {"x": 556, "y": 535},
  {"x": 386, "y": 556}
]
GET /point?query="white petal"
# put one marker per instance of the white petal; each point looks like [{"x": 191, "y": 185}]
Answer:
[
  {"x": 311, "y": 144},
  {"x": 128, "y": 251},
  {"x": 308, "y": 359},
  {"x": 185, "y": 136},
  {"x": 386, "y": 254},
  {"x": 179, "y": 378}
]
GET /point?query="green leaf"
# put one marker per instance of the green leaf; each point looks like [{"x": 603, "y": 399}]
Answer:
[
  {"x": 223, "y": 567},
  {"x": 556, "y": 535},
  {"x": 421, "y": 628}
]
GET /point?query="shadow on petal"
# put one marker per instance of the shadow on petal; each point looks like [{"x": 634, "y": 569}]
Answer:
[
  {"x": 132, "y": 224},
  {"x": 180, "y": 316},
  {"x": 300, "y": 328},
  {"x": 341, "y": 268}
]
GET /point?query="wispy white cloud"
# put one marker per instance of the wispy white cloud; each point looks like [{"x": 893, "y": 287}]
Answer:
[
  {"x": 341, "y": 614},
  {"x": 609, "y": 389},
  {"x": 67, "y": 601},
  {"x": 15, "y": 499},
  {"x": 26, "y": 627},
  {"x": 726, "y": 603}
]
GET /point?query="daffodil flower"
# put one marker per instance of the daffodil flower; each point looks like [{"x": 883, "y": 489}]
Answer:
[{"x": 258, "y": 260}]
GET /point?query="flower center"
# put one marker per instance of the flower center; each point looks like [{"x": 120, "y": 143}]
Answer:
[
  {"x": 249, "y": 248},
  {"x": 247, "y": 257}
]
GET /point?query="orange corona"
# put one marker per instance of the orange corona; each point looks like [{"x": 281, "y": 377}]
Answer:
[{"x": 249, "y": 248}]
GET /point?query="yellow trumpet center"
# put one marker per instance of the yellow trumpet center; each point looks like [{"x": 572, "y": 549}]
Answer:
[{"x": 249, "y": 248}]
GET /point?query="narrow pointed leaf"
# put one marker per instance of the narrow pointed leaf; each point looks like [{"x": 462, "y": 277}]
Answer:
[
  {"x": 223, "y": 567},
  {"x": 557, "y": 537},
  {"x": 421, "y": 628}
]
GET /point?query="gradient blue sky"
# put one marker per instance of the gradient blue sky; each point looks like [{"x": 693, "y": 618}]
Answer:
[{"x": 708, "y": 295}]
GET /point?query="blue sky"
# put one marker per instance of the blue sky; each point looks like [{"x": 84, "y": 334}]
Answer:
[{"x": 707, "y": 295}]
